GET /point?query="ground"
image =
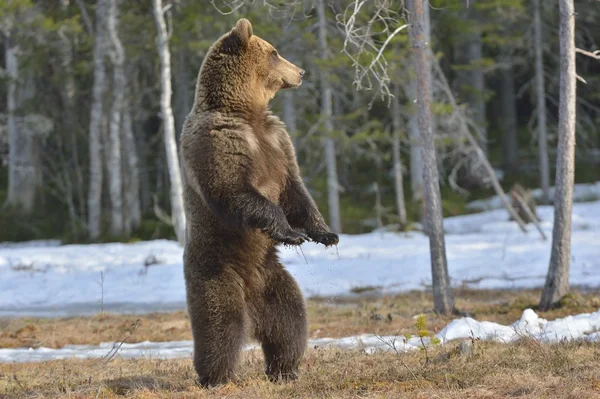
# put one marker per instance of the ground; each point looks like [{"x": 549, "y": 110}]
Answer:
[
  {"x": 526, "y": 369},
  {"x": 523, "y": 370},
  {"x": 83, "y": 302}
]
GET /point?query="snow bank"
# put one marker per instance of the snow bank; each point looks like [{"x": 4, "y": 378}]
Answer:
[
  {"x": 581, "y": 192},
  {"x": 484, "y": 251},
  {"x": 580, "y": 327}
]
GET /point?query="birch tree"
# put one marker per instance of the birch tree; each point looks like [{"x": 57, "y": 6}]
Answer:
[
  {"x": 162, "y": 43},
  {"x": 442, "y": 296},
  {"x": 118, "y": 87},
  {"x": 541, "y": 104},
  {"x": 397, "y": 159},
  {"x": 333, "y": 196},
  {"x": 557, "y": 280},
  {"x": 95, "y": 130},
  {"x": 133, "y": 214}
]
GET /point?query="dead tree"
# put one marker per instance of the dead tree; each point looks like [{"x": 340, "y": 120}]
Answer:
[
  {"x": 333, "y": 192},
  {"x": 442, "y": 296},
  {"x": 95, "y": 130},
  {"x": 541, "y": 104},
  {"x": 557, "y": 280},
  {"x": 162, "y": 44}
]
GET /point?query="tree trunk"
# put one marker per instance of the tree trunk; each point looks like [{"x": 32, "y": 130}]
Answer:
[
  {"x": 541, "y": 105},
  {"x": 557, "y": 281},
  {"x": 132, "y": 175},
  {"x": 24, "y": 169},
  {"x": 70, "y": 119},
  {"x": 442, "y": 296},
  {"x": 398, "y": 178},
  {"x": 333, "y": 195},
  {"x": 289, "y": 115},
  {"x": 95, "y": 130},
  {"x": 471, "y": 80},
  {"x": 508, "y": 115},
  {"x": 416, "y": 158},
  {"x": 185, "y": 96},
  {"x": 118, "y": 89},
  {"x": 177, "y": 213}
]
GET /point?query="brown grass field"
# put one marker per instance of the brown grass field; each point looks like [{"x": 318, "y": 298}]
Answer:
[{"x": 527, "y": 369}]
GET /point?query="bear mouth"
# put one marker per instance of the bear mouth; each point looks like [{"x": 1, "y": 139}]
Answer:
[{"x": 288, "y": 85}]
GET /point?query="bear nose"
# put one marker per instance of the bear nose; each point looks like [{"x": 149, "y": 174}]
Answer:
[{"x": 302, "y": 71}]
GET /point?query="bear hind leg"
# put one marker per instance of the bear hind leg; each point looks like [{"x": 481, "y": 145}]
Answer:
[
  {"x": 219, "y": 323},
  {"x": 281, "y": 325}
]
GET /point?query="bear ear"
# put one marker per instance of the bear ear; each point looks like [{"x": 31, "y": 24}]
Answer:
[
  {"x": 238, "y": 38},
  {"x": 243, "y": 29}
]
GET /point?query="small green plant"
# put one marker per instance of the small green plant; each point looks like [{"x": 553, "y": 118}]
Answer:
[{"x": 422, "y": 332}]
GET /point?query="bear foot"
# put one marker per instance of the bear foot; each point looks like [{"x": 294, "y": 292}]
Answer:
[{"x": 282, "y": 376}]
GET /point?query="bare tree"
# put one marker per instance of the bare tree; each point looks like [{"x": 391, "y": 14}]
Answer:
[
  {"x": 20, "y": 189},
  {"x": 118, "y": 88},
  {"x": 557, "y": 281},
  {"x": 541, "y": 104},
  {"x": 289, "y": 115},
  {"x": 416, "y": 158},
  {"x": 333, "y": 195},
  {"x": 95, "y": 130},
  {"x": 508, "y": 113},
  {"x": 133, "y": 216},
  {"x": 442, "y": 296},
  {"x": 24, "y": 130},
  {"x": 398, "y": 178},
  {"x": 470, "y": 78},
  {"x": 162, "y": 43}
]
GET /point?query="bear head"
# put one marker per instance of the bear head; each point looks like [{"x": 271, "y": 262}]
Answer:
[{"x": 241, "y": 71}]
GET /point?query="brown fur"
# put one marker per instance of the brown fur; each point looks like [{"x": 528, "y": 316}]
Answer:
[{"x": 243, "y": 195}]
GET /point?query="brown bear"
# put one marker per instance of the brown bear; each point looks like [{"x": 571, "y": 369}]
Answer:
[{"x": 243, "y": 195}]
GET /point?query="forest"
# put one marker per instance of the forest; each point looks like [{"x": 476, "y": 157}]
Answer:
[
  {"x": 452, "y": 149},
  {"x": 82, "y": 131}
]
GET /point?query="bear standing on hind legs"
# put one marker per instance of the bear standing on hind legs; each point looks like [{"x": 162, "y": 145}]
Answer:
[{"x": 243, "y": 195}]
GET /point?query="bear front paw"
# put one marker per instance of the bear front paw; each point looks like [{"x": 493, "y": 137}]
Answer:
[
  {"x": 289, "y": 237},
  {"x": 325, "y": 237}
]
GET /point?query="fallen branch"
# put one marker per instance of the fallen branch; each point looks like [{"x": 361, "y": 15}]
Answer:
[
  {"x": 160, "y": 213},
  {"x": 479, "y": 152},
  {"x": 529, "y": 213}
]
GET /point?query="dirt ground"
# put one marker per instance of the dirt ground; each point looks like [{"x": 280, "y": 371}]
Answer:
[{"x": 527, "y": 369}]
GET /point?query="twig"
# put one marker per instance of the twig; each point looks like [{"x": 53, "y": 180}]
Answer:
[
  {"x": 101, "y": 284},
  {"x": 118, "y": 346},
  {"x": 592, "y": 54}
]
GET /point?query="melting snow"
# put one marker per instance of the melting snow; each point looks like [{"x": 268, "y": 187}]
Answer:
[
  {"x": 580, "y": 327},
  {"x": 485, "y": 250}
]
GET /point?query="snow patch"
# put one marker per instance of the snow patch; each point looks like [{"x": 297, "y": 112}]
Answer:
[
  {"x": 581, "y": 192},
  {"x": 484, "y": 250},
  {"x": 584, "y": 326}
]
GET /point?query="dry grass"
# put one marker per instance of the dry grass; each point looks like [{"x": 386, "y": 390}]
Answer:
[
  {"x": 527, "y": 369},
  {"x": 387, "y": 315},
  {"x": 524, "y": 370}
]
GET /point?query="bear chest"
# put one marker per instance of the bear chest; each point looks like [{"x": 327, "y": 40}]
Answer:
[{"x": 269, "y": 166}]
